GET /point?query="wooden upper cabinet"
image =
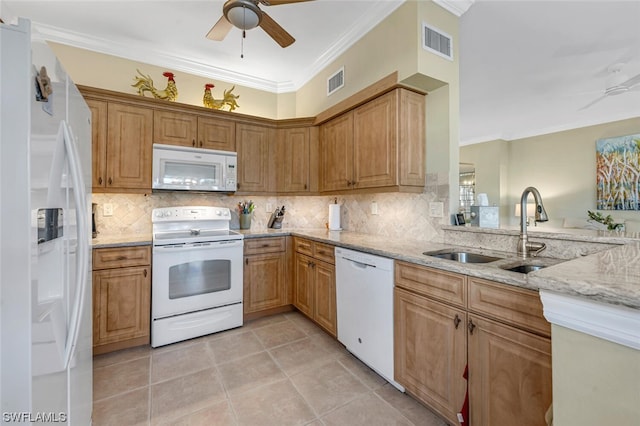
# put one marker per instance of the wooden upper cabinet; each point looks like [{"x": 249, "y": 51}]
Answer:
[
  {"x": 98, "y": 142},
  {"x": 378, "y": 144},
  {"x": 292, "y": 157},
  {"x": 174, "y": 128},
  {"x": 252, "y": 143},
  {"x": 186, "y": 129},
  {"x": 129, "y": 146},
  {"x": 375, "y": 142},
  {"x": 214, "y": 133},
  {"x": 336, "y": 153}
]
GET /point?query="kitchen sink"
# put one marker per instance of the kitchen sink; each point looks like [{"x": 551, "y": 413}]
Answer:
[
  {"x": 462, "y": 256},
  {"x": 523, "y": 269}
]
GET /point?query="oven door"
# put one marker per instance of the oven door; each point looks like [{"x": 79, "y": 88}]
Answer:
[{"x": 192, "y": 277}]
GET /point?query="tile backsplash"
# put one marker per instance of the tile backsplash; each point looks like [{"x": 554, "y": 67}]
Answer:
[{"x": 400, "y": 215}]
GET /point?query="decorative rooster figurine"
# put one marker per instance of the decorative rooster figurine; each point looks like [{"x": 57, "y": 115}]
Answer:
[
  {"x": 145, "y": 84},
  {"x": 228, "y": 98}
]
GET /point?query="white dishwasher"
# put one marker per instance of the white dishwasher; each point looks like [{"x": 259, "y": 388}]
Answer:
[{"x": 364, "y": 298}]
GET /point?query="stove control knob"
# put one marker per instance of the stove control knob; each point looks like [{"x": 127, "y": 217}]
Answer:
[{"x": 218, "y": 212}]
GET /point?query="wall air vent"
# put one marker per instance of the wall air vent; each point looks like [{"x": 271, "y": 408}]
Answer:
[
  {"x": 335, "y": 82},
  {"x": 437, "y": 41}
]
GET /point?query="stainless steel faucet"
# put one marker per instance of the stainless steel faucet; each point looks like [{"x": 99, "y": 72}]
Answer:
[{"x": 528, "y": 248}]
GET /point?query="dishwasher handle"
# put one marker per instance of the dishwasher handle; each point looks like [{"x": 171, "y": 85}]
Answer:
[{"x": 359, "y": 265}]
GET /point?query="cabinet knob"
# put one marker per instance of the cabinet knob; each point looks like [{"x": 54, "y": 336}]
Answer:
[
  {"x": 456, "y": 321},
  {"x": 246, "y": 261},
  {"x": 193, "y": 142},
  {"x": 471, "y": 326},
  {"x": 100, "y": 180},
  {"x": 144, "y": 272},
  {"x": 305, "y": 186},
  {"x": 200, "y": 144},
  {"x": 110, "y": 181}
]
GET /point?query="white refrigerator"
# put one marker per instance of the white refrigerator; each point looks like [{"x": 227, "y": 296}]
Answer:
[{"x": 45, "y": 235}]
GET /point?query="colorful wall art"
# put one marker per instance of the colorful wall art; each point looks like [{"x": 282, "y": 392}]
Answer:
[{"x": 618, "y": 173}]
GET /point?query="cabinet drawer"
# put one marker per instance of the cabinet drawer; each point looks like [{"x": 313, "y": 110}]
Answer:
[
  {"x": 441, "y": 285},
  {"x": 121, "y": 257},
  {"x": 324, "y": 252},
  {"x": 264, "y": 245},
  {"x": 303, "y": 246},
  {"x": 516, "y": 306}
]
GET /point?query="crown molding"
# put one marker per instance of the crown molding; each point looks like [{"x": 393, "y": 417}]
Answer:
[{"x": 457, "y": 7}]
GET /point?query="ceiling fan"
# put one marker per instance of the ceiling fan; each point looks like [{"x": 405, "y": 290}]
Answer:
[
  {"x": 245, "y": 14},
  {"x": 616, "y": 84}
]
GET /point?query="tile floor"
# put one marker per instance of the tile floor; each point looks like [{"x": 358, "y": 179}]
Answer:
[{"x": 280, "y": 370}]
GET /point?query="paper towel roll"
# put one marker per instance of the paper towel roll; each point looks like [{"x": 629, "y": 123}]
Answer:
[{"x": 334, "y": 217}]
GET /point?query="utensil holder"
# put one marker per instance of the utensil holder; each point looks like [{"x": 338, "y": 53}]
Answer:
[{"x": 245, "y": 220}]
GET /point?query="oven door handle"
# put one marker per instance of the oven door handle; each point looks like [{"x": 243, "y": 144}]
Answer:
[{"x": 197, "y": 246}]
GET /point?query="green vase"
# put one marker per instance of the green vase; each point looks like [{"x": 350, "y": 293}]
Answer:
[{"x": 245, "y": 220}]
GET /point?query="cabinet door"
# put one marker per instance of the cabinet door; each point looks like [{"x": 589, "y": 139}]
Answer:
[
  {"x": 214, "y": 133},
  {"x": 121, "y": 304},
  {"x": 412, "y": 144},
  {"x": 174, "y": 128},
  {"x": 325, "y": 296},
  {"x": 336, "y": 153},
  {"x": 129, "y": 146},
  {"x": 303, "y": 288},
  {"x": 375, "y": 142},
  {"x": 264, "y": 282},
  {"x": 293, "y": 160},
  {"x": 253, "y": 158},
  {"x": 98, "y": 142},
  {"x": 509, "y": 375},
  {"x": 431, "y": 352}
]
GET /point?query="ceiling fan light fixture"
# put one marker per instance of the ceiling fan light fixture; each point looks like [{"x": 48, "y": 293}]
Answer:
[{"x": 243, "y": 14}]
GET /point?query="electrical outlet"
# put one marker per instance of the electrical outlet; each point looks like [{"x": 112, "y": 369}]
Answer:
[
  {"x": 107, "y": 209},
  {"x": 374, "y": 208},
  {"x": 436, "y": 209}
]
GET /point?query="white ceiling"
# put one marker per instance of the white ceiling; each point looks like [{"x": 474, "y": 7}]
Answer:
[{"x": 526, "y": 66}]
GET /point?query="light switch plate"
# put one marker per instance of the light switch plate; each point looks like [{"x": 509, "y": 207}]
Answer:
[
  {"x": 374, "y": 208},
  {"x": 107, "y": 209},
  {"x": 436, "y": 209}
]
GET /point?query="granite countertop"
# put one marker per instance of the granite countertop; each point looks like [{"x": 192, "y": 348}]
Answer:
[{"x": 610, "y": 276}]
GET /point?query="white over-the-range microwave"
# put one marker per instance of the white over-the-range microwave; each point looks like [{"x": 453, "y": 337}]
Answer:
[{"x": 178, "y": 168}]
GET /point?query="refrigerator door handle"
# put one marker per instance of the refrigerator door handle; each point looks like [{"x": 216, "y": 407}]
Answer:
[{"x": 83, "y": 242}]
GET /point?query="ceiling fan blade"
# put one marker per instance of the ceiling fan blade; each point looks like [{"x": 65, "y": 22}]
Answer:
[
  {"x": 275, "y": 31},
  {"x": 279, "y": 2},
  {"x": 220, "y": 30},
  {"x": 592, "y": 102},
  {"x": 632, "y": 81}
]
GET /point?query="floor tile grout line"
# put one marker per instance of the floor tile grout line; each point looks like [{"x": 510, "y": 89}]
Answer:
[{"x": 394, "y": 408}]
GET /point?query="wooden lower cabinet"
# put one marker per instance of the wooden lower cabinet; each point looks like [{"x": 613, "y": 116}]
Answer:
[
  {"x": 431, "y": 351},
  {"x": 121, "y": 298},
  {"x": 315, "y": 283},
  {"x": 509, "y": 375},
  {"x": 496, "y": 329},
  {"x": 265, "y": 275}
]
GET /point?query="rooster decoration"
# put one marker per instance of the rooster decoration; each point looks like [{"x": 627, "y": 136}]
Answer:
[
  {"x": 228, "y": 99},
  {"x": 145, "y": 84}
]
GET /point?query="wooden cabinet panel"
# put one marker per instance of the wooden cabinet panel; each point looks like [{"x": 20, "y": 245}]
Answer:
[
  {"x": 129, "y": 146},
  {"x": 215, "y": 133},
  {"x": 516, "y": 306},
  {"x": 336, "y": 153},
  {"x": 121, "y": 257},
  {"x": 412, "y": 128},
  {"x": 375, "y": 142},
  {"x": 431, "y": 352},
  {"x": 292, "y": 156},
  {"x": 264, "y": 245},
  {"x": 441, "y": 285},
  {"x": 121, "y": 304},
  {"x": 303, "y": 246},
  {"x": 264, "y": 282},
  {"x": 509, "y": 375},
  {"x": 324, "y": 252},
  {"x": 98, "y": 142},
  {"x": 324, "y": 304},
  {"x": 253, "y": 158},
  {"x": 303, "y": 290},
  {"x": 174, "y": 128}
]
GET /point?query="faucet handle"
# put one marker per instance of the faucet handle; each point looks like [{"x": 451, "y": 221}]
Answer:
[{"x": 535, "y": 247}]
